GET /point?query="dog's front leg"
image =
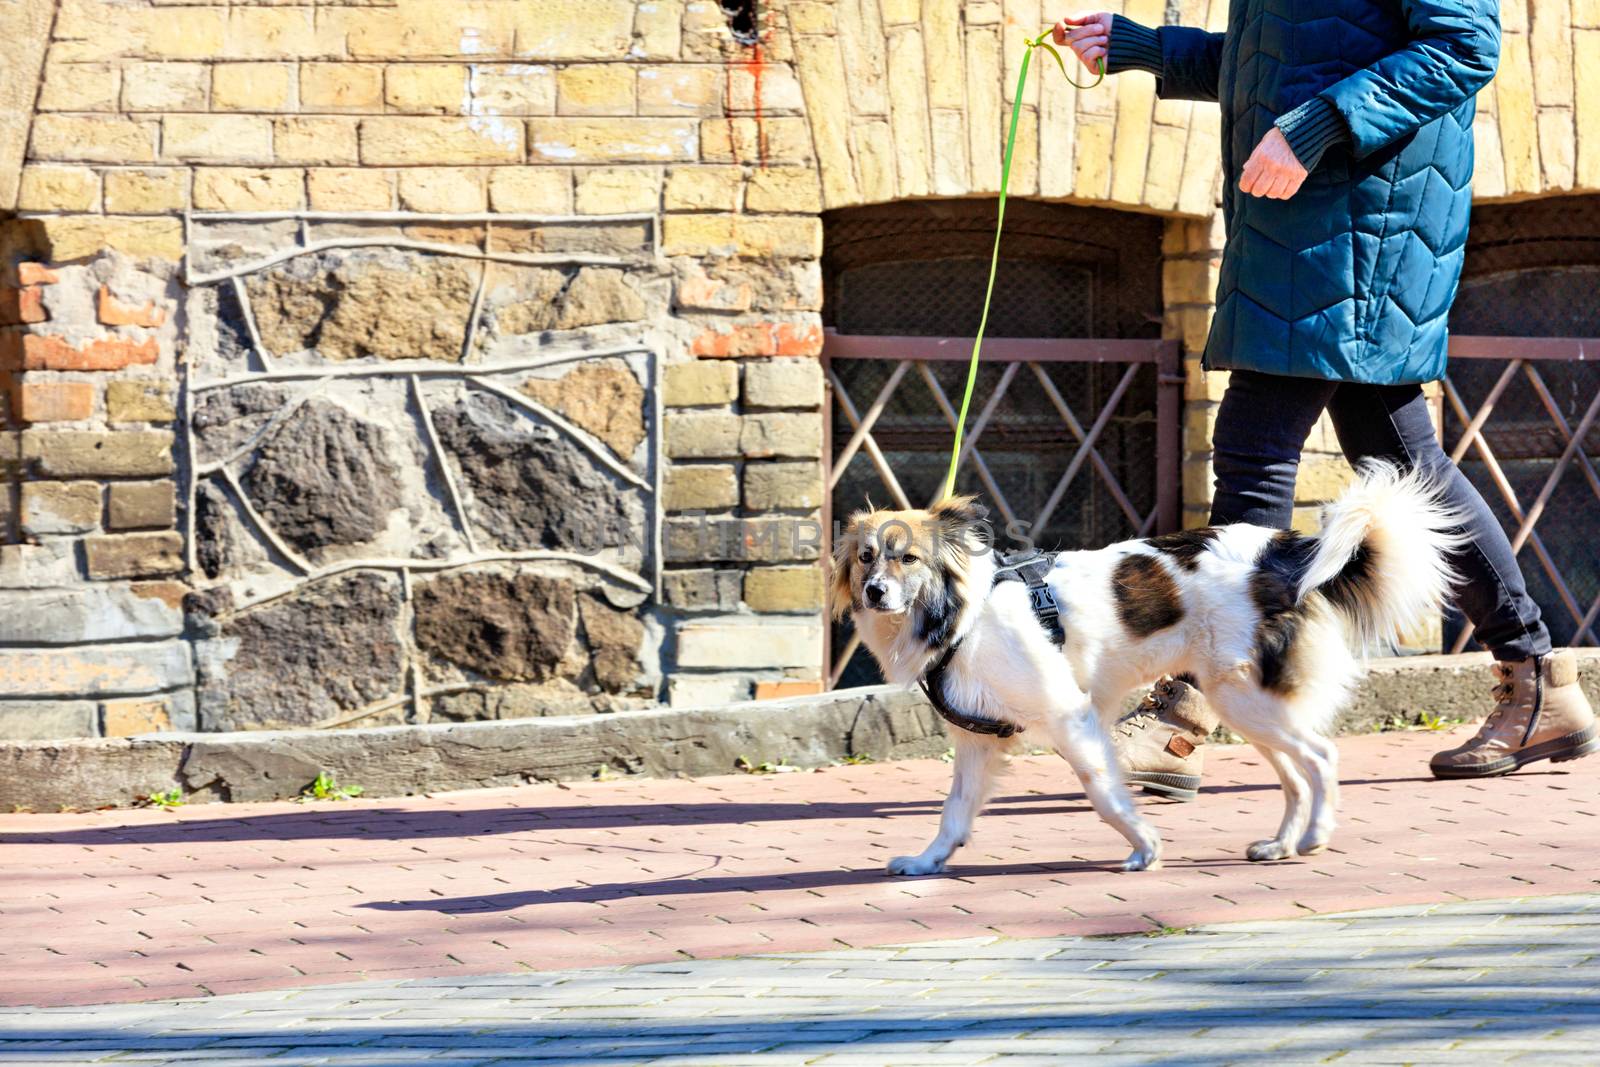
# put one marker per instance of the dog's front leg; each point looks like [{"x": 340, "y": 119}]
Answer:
[
  {"x": 977, "y": 761},
  {"x": 1079, "y": 737}
]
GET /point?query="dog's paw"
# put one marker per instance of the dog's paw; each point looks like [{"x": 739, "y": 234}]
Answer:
[
  {"x": 914, "y": 865},
  {"x": 1144, "y": 859},
  {"x": 1311, "y": 844},
  {"x": 1272, "y": 849}
]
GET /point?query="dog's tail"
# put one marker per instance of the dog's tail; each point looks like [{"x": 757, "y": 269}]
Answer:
[{"x": 1381, "y": 560}]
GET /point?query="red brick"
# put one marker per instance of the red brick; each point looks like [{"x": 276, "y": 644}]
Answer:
[
  {"x": 761, "y": 339},
  {"x": 55, "y": 401},
  {"x": 779, "y": 690},
  {"x": 22, "y": 306},
  {"x": 44, "y": 352},
  {"x": 36, "y": 274},
  {"x": 114, "y": 312}
]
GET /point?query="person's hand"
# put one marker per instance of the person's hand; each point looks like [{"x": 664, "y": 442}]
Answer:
[
  {"x": 1272, "y": 170},
  {"x": 1088, "y": 35}
]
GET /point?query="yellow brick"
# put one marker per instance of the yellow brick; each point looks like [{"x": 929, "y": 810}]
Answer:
[
  {"x": 1197, "y": 479},
  {"x": 271, "y": 33},
  {"x": 789, "y": 190},
  {"x": 703, "y": 188},
  {"x": 252, "y": 87},
  {"x": 1321, "y": 478},
  {"x": 1199, "y": 421},
  {"x": 618, "y": 190},
  {"x": 325, "y": 140},
  {"x": 517, "y": 89},
  {"x": 1092, "y": 167},
  {"x": 658, "y": 30},
  {"x": 622, "y": 140},
  {"x": 350, "y": 189},
  {"x": 574, "y": 29},
  {"x": 595, "y": 89},
  {"x": 244, "y": 189},
  {"x": 807, "y": 16},
  {"x": 165, "y": 87},
  {"x": 79, "y": 87},
  {"x": 146, "y": 192},
  {"x": 432, "y": 29},
  {"x": 199, "y": 34},
  {"x": 701, "y": 235},
  {"x": 768, "y": 142},
  {"x": 217, "y": 138},
  {"x": 453, "y": 190},
  {"x": 1513, "y": 92},
  {"x": 59, "y": 189},
  {"x": 70, "y": 237},
  {"x": 1586, "y": 64},
  {"x": 1203, "y": 385},
  {"x": 426, "y": 88},
  {"x": 531, "y": 190},
  {"x": 680, "y": 90},
  {"x": 341, "y": 86},
  {"x": 452, "y": 141},
  {"x": 97, "y": 140}
]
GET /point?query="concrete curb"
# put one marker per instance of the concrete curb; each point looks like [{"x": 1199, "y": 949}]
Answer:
[{"x": 882, "y": 722}]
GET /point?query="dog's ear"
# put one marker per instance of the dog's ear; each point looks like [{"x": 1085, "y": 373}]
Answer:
[
  {"x": 840, "y": 596},
  {"x": 960, "y": 521}
]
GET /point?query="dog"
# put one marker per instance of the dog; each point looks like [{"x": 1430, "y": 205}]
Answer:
[{"x": 1271, "y": 625}]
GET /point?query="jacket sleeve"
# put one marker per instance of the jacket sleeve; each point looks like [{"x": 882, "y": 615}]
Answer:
[
  {"x": 1186, "y": 62},
  {"x": 1454, "y": 48}
]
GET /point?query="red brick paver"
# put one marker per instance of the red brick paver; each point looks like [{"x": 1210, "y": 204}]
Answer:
[{"x": 125, "y": 906}]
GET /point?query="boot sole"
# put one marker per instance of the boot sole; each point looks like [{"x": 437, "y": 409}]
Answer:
[
  {"x": 1171, "y": 786},
  {"x": 1557, "y": 750}
]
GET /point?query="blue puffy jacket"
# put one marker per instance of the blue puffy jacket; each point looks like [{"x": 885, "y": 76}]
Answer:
[{"x": 1351, "y": 278}]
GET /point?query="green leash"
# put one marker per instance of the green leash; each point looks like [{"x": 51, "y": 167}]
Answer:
[{"x": 994, "y": 258}]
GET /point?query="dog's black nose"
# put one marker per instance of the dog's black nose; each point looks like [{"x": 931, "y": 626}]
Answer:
[{"x": 874, "y": 594}]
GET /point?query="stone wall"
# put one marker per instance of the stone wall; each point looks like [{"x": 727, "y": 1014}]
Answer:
[{"x": 383, "y": 360}]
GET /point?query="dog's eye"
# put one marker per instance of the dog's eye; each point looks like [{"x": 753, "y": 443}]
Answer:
[
  {"x": 865, "y": 557},
  {"x": 908, "y": 560}
]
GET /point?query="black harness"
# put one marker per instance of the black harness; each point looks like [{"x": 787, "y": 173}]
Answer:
[{"x": 1032, "y": 570}]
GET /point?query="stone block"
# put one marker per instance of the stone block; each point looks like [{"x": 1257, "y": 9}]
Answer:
[
  {"x": 443, "y": 190},
  {"x": 618, "y": 190},
  {"x": 129, "y": 718},
  {"x": 783, "y": 383},
  {"x": 165, "y": 87},
  {"x": 71, "y": 237},
  {"x": 252, "y": 87},
  {"x": 613, "y": 141},
  {"x": 764, "y": 142},
  {"x": 699, "y": 384},
  {"x": 79, "y": 87},
  {"x": 531, "y": 190},
  {"x": 702, "y": 589},
  {"x": 53, "y": 563},
  {"x": 516, "y": 89},
  {"x": 350, "y": 189},
  {"x": 758, "y": 237},
  {"x": 59, "y": 189},
  {"x": 141, "y": 505},
  {"x": 426, "y": 88},
  {"x": 93, "y": 455},
  {"x": 746, "y": 643},
  {"x": 47, "y": 720},
  {"x": 453, "y": 142},
  {"x": 55, "y": 401},
  {"x": 318, "y": 141},
  {"x": 770, "y": 435},
  {"x": 58, "y": 508},
  {"x": 87, "y": 614},
  {"x": 146, "y": 192},
  {"x": 595, "y": 89},
  {"x": 139, "y": 401},
  {"x": 680, "y": 90},
  {"x": 783, "y": 485},
  {"x": 141, "y": 555},
  {"x": 349, "y": 87},
  {"x": 702, "y": 435},
  {"x": 703, "y": 188},
  {"x": 707, "y": 690},
  {"x": 101, "y": 670},
  {"x": 247, "y": 189},
  {"x": 92, "y": 139},
  {"x": 216, "y": 139},
  {"x": 784, "y": 588},
  {"x": 701, "y": 487},
  {"x": 783, "y": 190}
]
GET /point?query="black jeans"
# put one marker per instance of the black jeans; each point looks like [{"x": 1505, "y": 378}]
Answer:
[{"x": 1261, "y": 428}]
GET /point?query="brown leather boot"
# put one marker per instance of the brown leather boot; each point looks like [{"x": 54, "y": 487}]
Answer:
[
  {"x": 1540, "y": 713},
  {"x": 1158, "y": 743}
]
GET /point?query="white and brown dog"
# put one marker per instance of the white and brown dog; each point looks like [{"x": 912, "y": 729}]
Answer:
[{"x": 1270, "y": 624}]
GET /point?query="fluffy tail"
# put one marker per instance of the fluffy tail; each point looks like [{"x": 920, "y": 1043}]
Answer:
[{"x": 1381, "y": 560}]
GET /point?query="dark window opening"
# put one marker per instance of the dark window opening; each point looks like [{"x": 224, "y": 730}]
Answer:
[{"x": 743, "y": 20}]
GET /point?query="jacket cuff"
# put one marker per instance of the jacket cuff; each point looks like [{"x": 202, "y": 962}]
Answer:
[
  {"x": 1311, "y": 129},
  {"x": 1132, "y": 47}
]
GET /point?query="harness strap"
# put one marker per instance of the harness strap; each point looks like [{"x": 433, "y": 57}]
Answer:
[{"x": 1033, "y": 571}]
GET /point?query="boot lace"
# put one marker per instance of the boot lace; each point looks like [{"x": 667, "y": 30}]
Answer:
[
  {"x": 1150, "y": 708},
  {"x": 1504, "y": 692}
]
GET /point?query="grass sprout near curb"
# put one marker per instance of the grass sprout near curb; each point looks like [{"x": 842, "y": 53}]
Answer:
[
  {"x": 326, "y": 787},
  {"x": 165, "y": 799}
]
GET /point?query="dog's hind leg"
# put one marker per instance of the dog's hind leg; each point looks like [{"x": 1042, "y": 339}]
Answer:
[
  {"x": 1296, "y": 808},
  {"x": 977, "y": 764},
  {"x": 1318, "y": 757},
  {"x": 1084, "y": 743},
  {"x": 1304, "y": 760}
]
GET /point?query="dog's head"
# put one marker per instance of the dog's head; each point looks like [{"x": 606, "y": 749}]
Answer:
[{"x": 913, "y": 563}]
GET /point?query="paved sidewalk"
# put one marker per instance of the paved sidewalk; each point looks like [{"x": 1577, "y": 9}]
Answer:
[
  {"x": 1480, "y": 982},
  {"x": 130, "y": 906}
]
